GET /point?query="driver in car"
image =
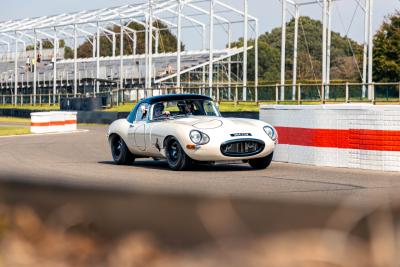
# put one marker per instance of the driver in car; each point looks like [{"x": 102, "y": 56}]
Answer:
[{"x": 159, "y": 111}]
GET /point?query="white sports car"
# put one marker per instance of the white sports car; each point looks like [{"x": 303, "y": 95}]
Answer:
[{"x": 186, "y": 129}]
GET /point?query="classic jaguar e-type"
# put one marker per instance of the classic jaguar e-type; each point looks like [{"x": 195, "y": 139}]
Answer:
[{"x": 186, "y": 129}]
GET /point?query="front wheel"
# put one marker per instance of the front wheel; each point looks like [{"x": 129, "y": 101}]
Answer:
[
  {"x": 176, "y": 156},
  {"x": 261, "y": 163},
  {"x": 120, "y": 152}
]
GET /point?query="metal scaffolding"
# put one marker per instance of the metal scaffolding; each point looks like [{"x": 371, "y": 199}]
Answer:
[
  {"x": 95, "y": 25},
  {"x": 326, "y": 6}
]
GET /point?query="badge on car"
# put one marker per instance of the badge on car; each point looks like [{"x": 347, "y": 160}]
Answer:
[{"x": 240, "y": 134}]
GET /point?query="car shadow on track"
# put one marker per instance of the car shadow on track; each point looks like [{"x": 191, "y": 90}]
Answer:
[{"x": 163, "y": 165}]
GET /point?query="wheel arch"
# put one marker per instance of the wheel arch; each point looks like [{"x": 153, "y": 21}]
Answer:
[
  {"x": 113, "y": 135},
  {"x": 166, "y": 139}
]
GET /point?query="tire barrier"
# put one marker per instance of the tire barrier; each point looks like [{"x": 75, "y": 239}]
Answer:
[
  {"x": 359, "y": 136},
  {"x": 53, "y": 122}
]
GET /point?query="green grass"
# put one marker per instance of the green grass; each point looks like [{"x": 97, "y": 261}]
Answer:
[
  {"x": 14, "y": 120},
  {"x": 121, "y": 108},
  {"x": 29, "y": 107},
  {"x": 6, "y": 131},
  {"x": 241, "y": 106}
]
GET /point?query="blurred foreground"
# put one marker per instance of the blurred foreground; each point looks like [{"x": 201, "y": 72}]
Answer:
[{"x": 56, "y": 226}]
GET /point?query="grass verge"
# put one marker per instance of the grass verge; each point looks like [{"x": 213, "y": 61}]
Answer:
[
  {"x": 14, "y": 120},
  {"x": 29, "y": 107},
  {"x": 6, "y": 131}
]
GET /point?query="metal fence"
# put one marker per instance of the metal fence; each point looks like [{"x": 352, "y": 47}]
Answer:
[{"x": 374, "y": 93}]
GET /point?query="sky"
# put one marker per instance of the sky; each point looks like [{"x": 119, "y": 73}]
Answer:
[{"x": 267, "y": 11}]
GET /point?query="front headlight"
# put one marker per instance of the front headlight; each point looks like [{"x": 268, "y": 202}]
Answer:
[
  {"x": 270, "y": 131},
  {"x": 199, "y": 138}
]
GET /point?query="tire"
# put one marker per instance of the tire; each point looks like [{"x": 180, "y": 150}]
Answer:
[
  {"x": 120, "y": 152},
  {"x": 261, "y": 163},
  {"x": 176, "y": 156}
]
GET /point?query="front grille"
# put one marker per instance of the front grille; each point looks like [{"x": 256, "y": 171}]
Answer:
[{"x": 242, "y": 147}]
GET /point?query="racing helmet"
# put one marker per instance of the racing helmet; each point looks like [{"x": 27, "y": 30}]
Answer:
[{"x": 158, "y": 109}]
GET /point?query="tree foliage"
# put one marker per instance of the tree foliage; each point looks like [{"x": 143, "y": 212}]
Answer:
[
  {"x": 343, "y": 61},
  {"x": 167, "y": 41},
  {"x": 46, "y": 44},
  {"x": 387, "y": 50}
]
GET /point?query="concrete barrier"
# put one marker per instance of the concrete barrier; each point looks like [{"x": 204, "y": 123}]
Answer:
[
  {"x": 348, "y": 135},
  {"x": 53, "y": 122}
]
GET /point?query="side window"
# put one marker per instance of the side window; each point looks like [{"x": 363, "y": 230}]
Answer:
[{"x": 142, "y": 112}]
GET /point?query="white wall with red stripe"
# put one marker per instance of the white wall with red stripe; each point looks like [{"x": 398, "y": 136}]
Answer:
[
  {"x": 53, "y": 122},
  {"x": 346, "y": 135}
]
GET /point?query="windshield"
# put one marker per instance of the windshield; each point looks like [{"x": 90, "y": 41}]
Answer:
[{"x": 184, "y": 108}]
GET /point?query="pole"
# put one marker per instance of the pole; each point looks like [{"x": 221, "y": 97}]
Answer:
[
  {"x": 204, "y": 67},
  {"x": 16, "y": 71},
  {"x": 370, "y": 51},
  {"x": 365, "y": 52},
  {"x": 157, "y": 39},
  {"x": 295, "y": 47},
  {"x": 75, "y": 61},
  {"x": 146, "y": 80},
  {"x": 211, "y": 48},
  {"x": 178, "y": 48},
  {"x": 256, "y": 62},
  {"x": 121, "y": 56},
  {"x": 328, "y": 56},
  {"x": 283, "y": 50},
  {"x": 98, "y": 59},
  {"x": 150, "y": 44},
  {"x": 229, "y": 62},
  {"x": 324, "y": 46},
  {"x": 34, "y": 67},
  {"x": 55, "y": 68},
  {"x": 245, "y": 47},
  {"x": 134, "y": 43},
  {"x": 94, "y": 47},
  {"x": 114, "y": 44}
]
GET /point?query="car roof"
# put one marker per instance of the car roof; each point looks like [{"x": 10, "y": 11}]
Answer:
[{"x": 172, "y": 97}]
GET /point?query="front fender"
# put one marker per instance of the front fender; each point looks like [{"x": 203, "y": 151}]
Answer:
[{"x": 119, "y": 127}]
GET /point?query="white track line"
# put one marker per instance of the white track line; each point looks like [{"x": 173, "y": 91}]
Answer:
[{"x": 44, "y": 134}]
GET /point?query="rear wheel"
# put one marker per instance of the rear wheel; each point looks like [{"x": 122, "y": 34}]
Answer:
[
  {"x": 261, "y": 163},
  {"x": 120, "y": 152},
  {"x": 176, "y": 156}
]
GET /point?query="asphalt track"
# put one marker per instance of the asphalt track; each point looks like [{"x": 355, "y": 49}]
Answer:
[{"x": 83, "y": 160}]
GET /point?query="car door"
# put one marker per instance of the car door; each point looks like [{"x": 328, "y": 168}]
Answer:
[{"x": 137, "y": 129}]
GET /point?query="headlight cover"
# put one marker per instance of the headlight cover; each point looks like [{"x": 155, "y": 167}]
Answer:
[
  {"x": 199, "y": 138},
  {"x": 270, "y": 131}
]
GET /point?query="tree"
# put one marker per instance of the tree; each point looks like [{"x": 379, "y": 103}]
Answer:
[
  {"x": 167, "y": 41},
  {"x": 387, "y": 50},
  {"x": 343, "y": 65},
  {"x": 46, "y": 44},
  {"x": 268, "y": 61}
]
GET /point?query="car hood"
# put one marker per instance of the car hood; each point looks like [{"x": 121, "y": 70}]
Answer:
[{"x": 206, "y": 123}]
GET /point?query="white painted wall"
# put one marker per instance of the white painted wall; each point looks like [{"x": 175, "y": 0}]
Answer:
[{"x": 376, "y": 153}]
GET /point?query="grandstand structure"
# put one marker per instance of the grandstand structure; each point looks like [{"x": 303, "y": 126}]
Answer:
[{"x": 21, "y": 41}]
